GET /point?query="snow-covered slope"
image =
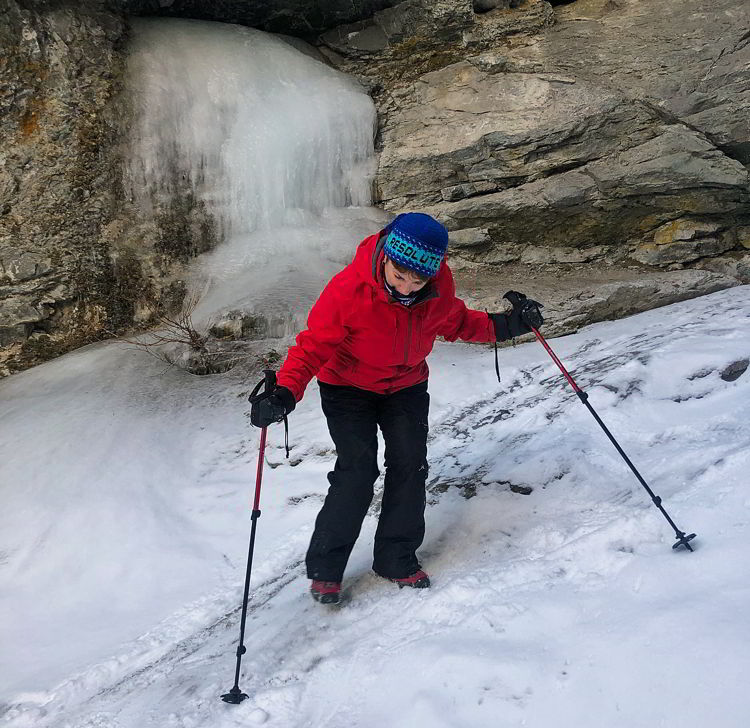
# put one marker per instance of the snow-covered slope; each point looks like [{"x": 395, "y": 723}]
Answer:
[{"x": 125, "y": 518}]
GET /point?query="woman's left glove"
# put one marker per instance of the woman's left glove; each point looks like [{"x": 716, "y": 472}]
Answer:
[
  {"x": 524, "y": 315},
  {"x": 272, "y": 406}
]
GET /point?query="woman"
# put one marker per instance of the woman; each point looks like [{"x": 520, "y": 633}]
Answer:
[{"x": 367, "y": 339}]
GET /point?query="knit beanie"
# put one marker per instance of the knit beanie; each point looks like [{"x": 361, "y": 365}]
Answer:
[{"x": 416, "y": 241}]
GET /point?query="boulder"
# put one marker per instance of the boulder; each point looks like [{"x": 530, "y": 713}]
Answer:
[{"x": 574, "y": 296}]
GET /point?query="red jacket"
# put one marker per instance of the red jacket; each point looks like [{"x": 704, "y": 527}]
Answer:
[{"x": 358, "y": 336}]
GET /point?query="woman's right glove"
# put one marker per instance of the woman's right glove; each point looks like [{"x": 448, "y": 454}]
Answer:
[
  {"x": 524, "y": 315},
  {"x": 271, "y": 406}
]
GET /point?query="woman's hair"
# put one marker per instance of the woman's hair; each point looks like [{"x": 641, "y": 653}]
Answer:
[{"x": 408, "y": 272}]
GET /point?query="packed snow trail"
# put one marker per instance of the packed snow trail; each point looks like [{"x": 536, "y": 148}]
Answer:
[{"x": 565, "y": 606}]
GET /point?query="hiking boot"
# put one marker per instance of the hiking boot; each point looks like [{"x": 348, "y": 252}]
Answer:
[
  {"x": 418, "y": 580},
  {"x": 326, "y": 592}
]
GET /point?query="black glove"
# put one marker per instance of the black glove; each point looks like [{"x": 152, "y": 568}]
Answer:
[
  {"x": 270, "y": 407},
  {"x": 520, "y": 320}
]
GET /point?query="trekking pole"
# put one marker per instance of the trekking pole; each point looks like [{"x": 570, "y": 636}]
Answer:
[
  {"x": 235, "y": 695},
  {"x": 529, "y": 317}
]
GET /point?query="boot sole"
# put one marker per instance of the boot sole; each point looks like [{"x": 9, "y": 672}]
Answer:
[
  {"x": 330, "y": 599},
  {"x": 423, "y": 583},
  {"x": 419, "y": 584}
]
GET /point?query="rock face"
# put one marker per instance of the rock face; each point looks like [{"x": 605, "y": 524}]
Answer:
[
  {"x": 294, "y": 17},
  {"x": 74, "y": 266},
  {"x": 604, "y": 128},
  {"x": 601, "y": 133},
  {"x": 59, "y": 72},
  {"x": 576, "y": 297},
  {"x": 598, "y": 150}
]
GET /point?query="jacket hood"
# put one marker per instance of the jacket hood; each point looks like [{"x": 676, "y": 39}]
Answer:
[{"x": 367, "y": 259}]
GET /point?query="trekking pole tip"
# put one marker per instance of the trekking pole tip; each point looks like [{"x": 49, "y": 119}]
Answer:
[
  {"x": 234, "y": 696},
  {"x": 683, "y": 540}
]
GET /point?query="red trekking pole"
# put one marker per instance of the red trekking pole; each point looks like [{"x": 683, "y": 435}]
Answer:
[
  {"x": 532, "y": 317},
  {"x": 235, "y": 695}
]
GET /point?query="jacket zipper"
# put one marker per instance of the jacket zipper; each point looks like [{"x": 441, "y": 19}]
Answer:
[{"x": 408, "y": 339}]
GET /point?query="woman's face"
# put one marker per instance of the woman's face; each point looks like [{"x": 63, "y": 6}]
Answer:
[{"x": 404, "y": 283}]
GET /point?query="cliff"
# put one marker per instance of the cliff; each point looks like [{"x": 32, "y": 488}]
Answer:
[{"x": 593, "y": 153}]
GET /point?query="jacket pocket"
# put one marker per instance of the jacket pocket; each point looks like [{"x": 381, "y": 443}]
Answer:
[{"x": 424, "y": 340}]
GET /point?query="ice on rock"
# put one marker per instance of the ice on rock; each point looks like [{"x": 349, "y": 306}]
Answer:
[
  {"x": 261, "y": 132},
  {"x": 277, "y": 146}
]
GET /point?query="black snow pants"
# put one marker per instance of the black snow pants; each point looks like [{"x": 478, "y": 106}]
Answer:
[{"x": 353, "y": 418}]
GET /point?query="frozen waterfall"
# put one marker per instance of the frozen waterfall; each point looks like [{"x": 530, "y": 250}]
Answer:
[
  {"x": 261, "y": 130},
  {"x": 277, "y": 145}
]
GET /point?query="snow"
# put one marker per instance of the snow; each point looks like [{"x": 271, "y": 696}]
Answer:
[
  {"x": 126, "y": 488},
  {"x": 127, "y": 491}
]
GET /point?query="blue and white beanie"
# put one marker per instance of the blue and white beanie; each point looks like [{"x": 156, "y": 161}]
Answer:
[{"x": 416, "y": 241}]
